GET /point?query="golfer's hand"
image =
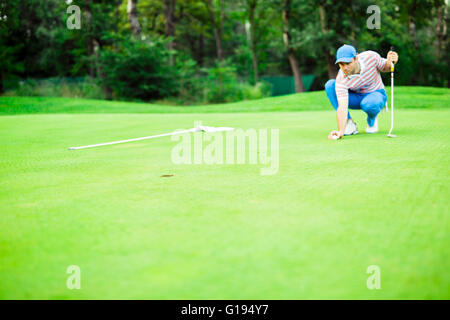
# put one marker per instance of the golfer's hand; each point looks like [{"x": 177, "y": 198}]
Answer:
[
  {"x": 392, "y": 57},
  {"x": 334, "y": 134}
]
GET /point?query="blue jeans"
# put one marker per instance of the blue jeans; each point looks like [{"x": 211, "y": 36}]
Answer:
[{"x": 371, "y": 103}]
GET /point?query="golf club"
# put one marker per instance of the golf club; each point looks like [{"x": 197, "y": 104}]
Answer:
[
  {"x": 196, "y": 129},
  {"x": 392, "y": 100}
]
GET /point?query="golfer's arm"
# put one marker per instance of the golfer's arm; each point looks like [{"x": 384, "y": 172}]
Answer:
[
  {"x": 342, "y": 115},
  {"x": 387, "y": 67}
]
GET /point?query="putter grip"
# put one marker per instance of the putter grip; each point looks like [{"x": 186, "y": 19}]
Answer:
[{"x": 392, "y": 65}]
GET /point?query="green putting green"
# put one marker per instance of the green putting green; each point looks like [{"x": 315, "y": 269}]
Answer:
[{"x": 141, "y": 227}]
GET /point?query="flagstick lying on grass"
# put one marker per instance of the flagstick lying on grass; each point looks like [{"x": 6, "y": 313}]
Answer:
[{"x": 196, "y": 129}]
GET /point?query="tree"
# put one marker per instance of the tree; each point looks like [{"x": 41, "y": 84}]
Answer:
[
  {"x": 331, "y": 67},
  {"x": 217, "y": 26},
  {"x": 417, "y": 14},
  {"x": 286, "y": 13},
  {"x": 8, "y": 49},
  {"x": 169, "y": 9},
  {"x": 251, "y": 12},
  {"x": 441, "y": 28},
  {"x": 90, "y": 40},
  {"x": 139, "y": 69},
  {"x": 133, "y": 16}
]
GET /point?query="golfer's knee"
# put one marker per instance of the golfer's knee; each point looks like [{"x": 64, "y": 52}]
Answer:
[{"x": 373, "y": 107}]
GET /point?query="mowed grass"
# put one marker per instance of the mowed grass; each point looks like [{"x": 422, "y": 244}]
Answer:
[
  {"x": 310, "y": 231},
  {"x": 405, "y": 97}
]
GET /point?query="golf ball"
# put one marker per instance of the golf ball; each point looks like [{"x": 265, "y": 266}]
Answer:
[{"x": 335, "y": 137}]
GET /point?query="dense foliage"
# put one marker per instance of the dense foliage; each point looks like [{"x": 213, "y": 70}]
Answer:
[
  {"x": 198, "y": 51},
  {"x": 138, "y": 69}
]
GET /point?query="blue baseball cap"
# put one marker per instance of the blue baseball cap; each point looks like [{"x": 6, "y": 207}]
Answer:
[{"x": 345, "y": 53}]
